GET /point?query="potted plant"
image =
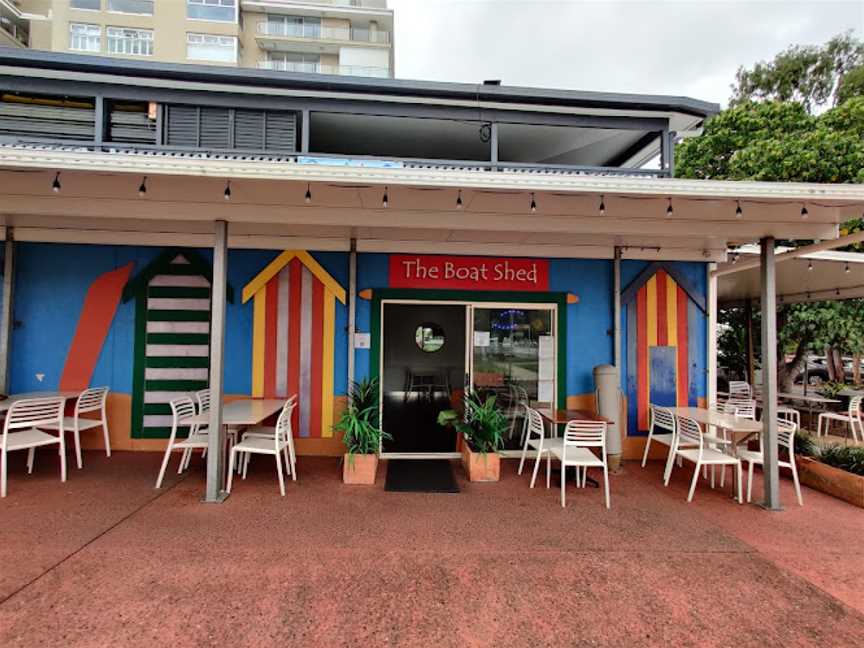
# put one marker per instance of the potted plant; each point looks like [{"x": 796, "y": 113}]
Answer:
[
  {"x": 482, "y": 427},
  {"x": 361, "y": 433}
]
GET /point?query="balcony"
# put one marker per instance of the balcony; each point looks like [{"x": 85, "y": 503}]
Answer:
[
  {"x": 270, "y": 33},
  {"x": 14, "y": 26},
  {"x": 323, "y": 68}
]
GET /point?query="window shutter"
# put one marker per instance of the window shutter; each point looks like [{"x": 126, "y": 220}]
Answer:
[
  {"x": 134, "y": 127},
  {"x": 215, "y": 132},
  {"x": 181, "y": 126},
  {"x": 29, "y": 120},
  {"x": 249, "y": 130},
  {"x": 281, "y": 131},
  {"x": 238, "y": 129}
]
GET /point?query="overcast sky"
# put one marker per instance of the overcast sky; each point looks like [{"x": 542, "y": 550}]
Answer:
[{"x": 688, "y": 47}]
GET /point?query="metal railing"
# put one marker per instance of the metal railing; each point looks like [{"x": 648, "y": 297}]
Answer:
[
  {"x": 324, "y": 68},
  {"x": 280, "y": 29},
  {"x": 13, "y": 23}
]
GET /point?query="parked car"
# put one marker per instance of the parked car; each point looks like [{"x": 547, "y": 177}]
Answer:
[{"x": 817, "y": 371}]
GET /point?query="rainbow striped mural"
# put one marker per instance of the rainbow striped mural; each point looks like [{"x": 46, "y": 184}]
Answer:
[
  {"x": 293, "y": 338},
  {"x": 661, "y": 313}
]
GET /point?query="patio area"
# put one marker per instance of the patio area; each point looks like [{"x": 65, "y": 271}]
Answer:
[{"x": 105, "y": 559}]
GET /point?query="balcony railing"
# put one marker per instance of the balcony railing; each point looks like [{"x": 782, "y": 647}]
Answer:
[
  {"x": 13, "y": 23},
  {"x": 323, "y": 68},
  {"x": 313, "y": 32}
]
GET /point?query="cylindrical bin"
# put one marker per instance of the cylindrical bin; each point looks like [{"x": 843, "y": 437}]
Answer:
[{"x": 606, "y": 382}]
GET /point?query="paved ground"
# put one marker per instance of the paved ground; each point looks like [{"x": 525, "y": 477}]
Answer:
[{"x": 105, "y": 560}]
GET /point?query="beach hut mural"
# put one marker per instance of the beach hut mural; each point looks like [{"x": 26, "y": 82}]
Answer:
[
  {"x": 172, "y": 336},
  {"x": 293, "y": 338},
  {"x": 662, "y": 311}
]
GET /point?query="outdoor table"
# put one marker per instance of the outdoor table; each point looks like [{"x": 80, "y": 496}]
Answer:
[
  {"x": 740, "y": 429},
  {"x": 556, "y": 417},
  {"x": 65, "y": 395}
]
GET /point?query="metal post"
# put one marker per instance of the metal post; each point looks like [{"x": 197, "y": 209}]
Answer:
[
  {"x": 770, "y": 471},
  {"x": 493, "y": 145},
  {"x": 216, "y": 435},
  {"x": 712, "y": 334},
  {"x": 304, "y": 130},
  {"x": 7, "y": 312},
  {"x": 352, "y": 307},
  {"x": 748, "y": 341},
  {"x": 615, "y": 460}
]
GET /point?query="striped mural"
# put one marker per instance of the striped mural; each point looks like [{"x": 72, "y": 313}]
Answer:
[
  {"x": 172, "y": 338},
  {"x": 661, "y": 317},
  {"x": 293, "y": 338}
]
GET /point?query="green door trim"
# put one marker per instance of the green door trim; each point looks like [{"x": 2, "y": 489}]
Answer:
[{"x": 557, "y": 298}]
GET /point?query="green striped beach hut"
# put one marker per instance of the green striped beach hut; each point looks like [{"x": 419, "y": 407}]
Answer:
[{"x": 172, "y": 336}]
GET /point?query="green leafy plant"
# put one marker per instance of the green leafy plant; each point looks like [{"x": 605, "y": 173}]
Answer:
[
  {"x": 831, "y": 389},
  {"x": 358, "y": 424},
  {"x": 805, "y": 446},
  {"x": 848, "y": 458},
  {"x": 483, "y": 424}
]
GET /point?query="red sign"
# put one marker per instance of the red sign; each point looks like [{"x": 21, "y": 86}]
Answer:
[{"x": 468, "y": 273}]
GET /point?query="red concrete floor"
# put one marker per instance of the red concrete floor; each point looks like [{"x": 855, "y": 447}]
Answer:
[{"x": 107, "y": 561}]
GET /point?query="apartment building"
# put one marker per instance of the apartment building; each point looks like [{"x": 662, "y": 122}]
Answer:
[{"x": 345, "y": 37}]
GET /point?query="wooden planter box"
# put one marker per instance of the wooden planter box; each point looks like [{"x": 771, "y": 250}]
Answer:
[
  {"x": 833, "y": 481},
  {"x": 479, "y": 466},
  {"x": 359, "y": 469}
]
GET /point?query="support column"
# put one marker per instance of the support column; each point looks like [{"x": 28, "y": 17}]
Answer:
[
  {"x": 352, "y": 308},
  {"x": 6, "y": 311},
  {"x": 618, "y": 426},
  {"x": 712, "y": 335},
  {"x": 770, "y": 470},
  {"x": 216, "y": 435},
  {"x": 748, "y": 342},
  {"x": 493, "y": 145}
]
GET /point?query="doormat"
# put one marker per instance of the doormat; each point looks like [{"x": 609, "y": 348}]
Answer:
[{"x": 420, "y": 476}]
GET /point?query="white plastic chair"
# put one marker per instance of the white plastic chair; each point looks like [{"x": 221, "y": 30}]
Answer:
[
  {"x": 789, "y": 414},
  {"x": 579, "y": 438},
  {"x": 278, "y": 446},
  {"x": 740, "y": 388},
  {"x": 690, "y": 433},
  {"x": 659, "y": 417},
  {"x": 535, "y": 439},
  {"x": 182, "y": 409},
  {"x": 21, "y": 431},
  {"x": 264, "y": 432},
  {"x": 852, "y": 417},
  {"x": 90, "y": 400},
  {"x": 785, "y": 439}
]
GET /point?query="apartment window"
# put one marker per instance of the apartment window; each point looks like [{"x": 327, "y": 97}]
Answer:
[
  {"x": 296, "y": 26},
  {"x": 293, "y": 62},
  {"x": 223, "y": 10},
  {"x": 205, "y": 47},
  {"x": 85, "y": 38},
  {"x": 92, "y": 5},
  {"x": 132, "y": 42},
  {"x": 144, "y": 7}
]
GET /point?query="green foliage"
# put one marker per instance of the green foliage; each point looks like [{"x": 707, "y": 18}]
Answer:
[
  {"x": 358, "y": 424},
  {"x": 831, "y": 389},
  {"x": 852, "y": 85},
  {"x": 484, "y": 423},
  {"x": 848, "y": 458},
  {"x": 805, "y": 446},
  {"x": 810, "y": 75}
]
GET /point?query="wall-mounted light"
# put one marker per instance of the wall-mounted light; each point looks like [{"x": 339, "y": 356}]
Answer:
[
  {"x": 738, "y": 211},
  {"x": 533, "y": 203},
  {"x": 55, "y": 186},
  {"x": 385, "y": 201},
  {"x": 459, "y": 200},
  {"x": 810, "y": 266},
  {"x": 308, "y": 196},
  {"x": 669, "y": 210},
  {"x": 227, "y": 193},
  {"x": 142, "y": 190},
  {"x": 602, "y": 208},
  {"x": 846, "y": 269},
  {"x": 804, "y": 213}
]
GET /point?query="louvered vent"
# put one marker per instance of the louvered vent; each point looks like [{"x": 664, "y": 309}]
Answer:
[
  {"x": 182, "y": 126},
  {"x": 281, "y": 131},
  {"x": 57, "y": 119},
  {"x": 215, "y": 133},
  {"x": 214, "y": 129},
  {"x": 249, "y": 130},
  {"x": 130, "y": 124}
]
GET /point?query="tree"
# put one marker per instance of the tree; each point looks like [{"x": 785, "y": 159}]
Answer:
[{"x": 810, "y": 75}]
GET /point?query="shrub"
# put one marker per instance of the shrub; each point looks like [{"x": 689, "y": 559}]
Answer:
[
  {"x": 484, "y": 425},
  {"x": 358, "y": 424},
  {"x": 805, "y": 446},
  {"x": 848, "y": 458}
]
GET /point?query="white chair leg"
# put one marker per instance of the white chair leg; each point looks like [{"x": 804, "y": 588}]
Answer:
[
  {"x": 293, "y": 457},
  {"x": 287, "y": 460},
  {"x": 247, "y": 458},
  {"x": 606, "y": 484},
  {"x": 3, "y": 472},
  {"x": 740, "y": 480},
  {"x": 279, "y": 474},
  {"x": 536, "y": 468},
  {"x": 796, "y": 483},
  {"x": 563, "y": 482},
  {"x": 77, "y": 434},
  {"x": 693, "y": 483},
  {"x": 548, "y": 470},
  {"x": 524, "y": 454},
  {"x": 165, "y": 460},
  {"x": 106, "y": 435},
  {"x": 183, "y": 457},
  {"x": 647, "y": 445},
  {"x": 62, "y": 456},
  {"x": 722, "y": 476},
  {"x": 231, "y": 456},
  {"x": 31, "y": 456},
  {"x": 712, "y": 476},
  {"x": 670, "y": 463},
  {"x": 749, "y": 480}
]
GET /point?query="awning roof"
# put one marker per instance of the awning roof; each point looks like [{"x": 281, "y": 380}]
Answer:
[{"x": 819, "y": 276}]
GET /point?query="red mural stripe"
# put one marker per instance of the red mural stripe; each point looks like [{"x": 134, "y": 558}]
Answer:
[
  {"x": 683, "y": 349},
  {"x": 642, "y": 358},
  {"x": 271, "y": 317},
  {"x": 294, "y": 341},
  {"x": 317, "y": 349},
  {"x": 94, "y": 323},
  {"x": 662, "y": 319}
]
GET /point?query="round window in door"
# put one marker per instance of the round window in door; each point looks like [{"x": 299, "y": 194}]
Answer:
[{"x": 429, "y": 337}]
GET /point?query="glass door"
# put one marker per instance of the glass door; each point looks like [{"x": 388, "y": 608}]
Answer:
[{"x": 513, "y": 355}]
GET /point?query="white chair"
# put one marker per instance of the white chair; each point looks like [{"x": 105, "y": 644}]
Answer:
[
  {"x": 852, "y": 417},
  {"x": 690, "y": 433},
  {"x": 740, "y": 388},
  {"x": 744, "y": 407},
  {"x": 785, "y": 439},
  {"x": 789, "y": 414},
  {"x": 90, "y": 400},
  {"x": 278, "y": 446},
  {"x": 264, "y": 432},
  {"x": 21, "y": 431},
  {"x": 659, "y": 417},
  {"x": 518, "y": 399},
  {"x": 579, "y": 438},
  {"x": 182, "y": 409},
  {"x": 535, "y": 439}
]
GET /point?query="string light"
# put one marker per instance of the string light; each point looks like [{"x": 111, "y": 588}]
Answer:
[
  {"x": 533, "y": 203},
  {"x": 669, "y": 210},
  {"x": 837, "y": 291},
  {"x": 142, "y": 190},
  {"x": 846, "y": 269},
  {"x": 308, "y": 197},
  {"x": 804, "y": 212},
  {"x": 602, "y": 206},
  {"x": 55, "y": 186},
  {"x": 385, "y": 202},
  {"x": 738, "y": 211},
  {"x": 810, "y": 266},
  {"x": 228, "y": 190},
  {"x": 459, "y": 200}
]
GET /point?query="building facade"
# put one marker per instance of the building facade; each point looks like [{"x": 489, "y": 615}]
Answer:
[{"x": 343, "y": 37}]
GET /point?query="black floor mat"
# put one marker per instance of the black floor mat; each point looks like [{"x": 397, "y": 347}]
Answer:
[{"x": 420, "y": 476}]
